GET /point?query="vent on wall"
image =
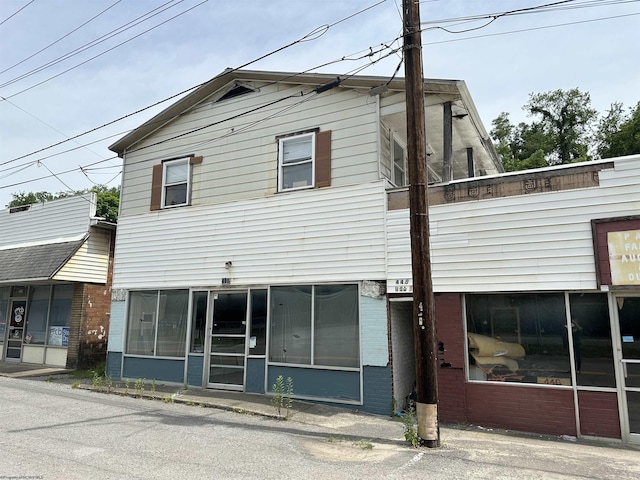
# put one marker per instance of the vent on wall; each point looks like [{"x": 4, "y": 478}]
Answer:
[
  {"x": 236, "y": 91},
  {"x": 21, "y": 208}
]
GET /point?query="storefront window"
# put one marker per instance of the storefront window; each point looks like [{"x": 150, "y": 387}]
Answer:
[
  {"x": 591, "y": 334},
  {"x": 198, "y": 321},
  {"x": 157, "y": 323},
  {"x": 518, "y": 338},
  {"x": 258, "y": 339},
  {"x": 325, "y": 317},
  {"x": 37, "y": 311},
  {"x": 4, "y": 306},
  {"x": 60, "y": 315}
]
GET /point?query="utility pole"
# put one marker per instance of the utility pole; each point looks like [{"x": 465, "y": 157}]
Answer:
[{"x": 424, "y": 327}]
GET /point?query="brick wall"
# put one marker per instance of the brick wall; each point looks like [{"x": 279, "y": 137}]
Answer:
[
  {"x": 525, "y": 408},
  {"x": 599, "y": 415},
  {"x": 451, "y": 379},
  {"x": 90, "y": 311}
]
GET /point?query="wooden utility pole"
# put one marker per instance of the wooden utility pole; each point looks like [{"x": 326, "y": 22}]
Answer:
[{"x": 424, "y": 327}]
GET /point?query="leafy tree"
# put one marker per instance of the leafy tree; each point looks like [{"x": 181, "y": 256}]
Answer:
[
  {"x": 565, "y": 129},
  {"x": 619, "y": 134},
  {"x": 108, "y": 199}
]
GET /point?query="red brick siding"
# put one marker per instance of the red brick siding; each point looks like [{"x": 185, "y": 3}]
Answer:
[
  {"x": 524, "y": 408},
  {"x": 599, "y": 416},
  {"x": 450, "y": 331}
]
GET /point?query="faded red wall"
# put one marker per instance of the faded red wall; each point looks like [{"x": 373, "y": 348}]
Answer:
[{"x": 599, "y": 415}]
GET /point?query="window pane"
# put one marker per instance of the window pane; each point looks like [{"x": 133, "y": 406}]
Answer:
[
  {"x": 37, "y": 311},
  {"x": 290, "y": 340},
  {"x": 175, "y": 194},
  {"x": 198, "y": 321},
  {"x": 172, "y": 323},
  {"x": 142, "y": 322},
  {"x": 257, "y": 344},
  {"x": 336, "y": 339},
  {"x": 230, "y": 314},
  {"x": 296, "y": 150},
  {"x": 4, "y": 307},
  {"x": 297, "y": 176},
  {"x": 176, "y": 172},
  {"x": 591, "y": 334},
  {"x": 60, "y": 315},
  {"x": 629, "y": 316},
  {"x": 518, "y": 338}
]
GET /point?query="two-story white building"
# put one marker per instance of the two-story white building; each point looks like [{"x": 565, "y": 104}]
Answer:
[{"x": 263, "y": 231}]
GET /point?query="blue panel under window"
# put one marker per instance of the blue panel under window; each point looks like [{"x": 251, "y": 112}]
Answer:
[
  {"x": 160, "y": 370},
  {"x": 194, "y": 370},
  {"x": 323, "y": 384},
  {"x": 255, "y": 375}
]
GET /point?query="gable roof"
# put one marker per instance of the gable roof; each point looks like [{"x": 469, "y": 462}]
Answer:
[{"x": 231, "y": 79}]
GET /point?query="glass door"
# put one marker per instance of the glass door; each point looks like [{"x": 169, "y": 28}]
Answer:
[
  {"x": 227, "y": 341},
  {"x": 15, "y": 335},
  {"x": 629, "y": 319}
]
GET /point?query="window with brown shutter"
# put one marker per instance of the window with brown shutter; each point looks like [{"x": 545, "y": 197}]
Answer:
[
  {"x": 171, "y": 182},
  {"x": 304, "y": 161}
]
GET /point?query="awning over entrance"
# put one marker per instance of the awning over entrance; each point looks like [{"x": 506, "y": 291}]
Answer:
[{"x": 35, "y": 262}]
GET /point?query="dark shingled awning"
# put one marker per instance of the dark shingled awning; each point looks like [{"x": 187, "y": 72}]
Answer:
[{"x": 37, "y": 262}]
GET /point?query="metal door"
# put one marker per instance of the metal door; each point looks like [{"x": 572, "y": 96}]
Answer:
[{"x": 15, "y": 334}]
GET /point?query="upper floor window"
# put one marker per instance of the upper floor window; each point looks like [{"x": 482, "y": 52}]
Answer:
[
  {"x": 296, "y": 160},
  {"x": 399, "y": 156},
  {"x": 171, "y": 183},
  {"x": 175, "y": 183},
  {"x": 304, "y": 161}
]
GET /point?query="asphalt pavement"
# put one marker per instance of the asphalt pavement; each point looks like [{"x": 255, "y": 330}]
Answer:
[{"x": 528, "y": 455}]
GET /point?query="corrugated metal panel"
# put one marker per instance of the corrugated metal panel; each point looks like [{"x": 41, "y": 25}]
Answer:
[
  {"x": 65, "y": 218},
  {"x": 541, "y": 241},
  {"x": 332, "y": 234},
  {"x": 90, "y": 263},
  {"x": 240, "y": 155}
]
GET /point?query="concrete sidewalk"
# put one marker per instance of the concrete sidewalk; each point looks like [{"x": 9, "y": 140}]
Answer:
[{"x": 561, "y": 457}]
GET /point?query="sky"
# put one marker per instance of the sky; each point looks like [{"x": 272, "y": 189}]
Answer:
[{"x": 68, "y": 67}]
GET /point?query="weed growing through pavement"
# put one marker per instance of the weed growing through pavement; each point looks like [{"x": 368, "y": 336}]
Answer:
[
  {"x": 126, "y": 386},
  {"x": 410, "y": 429},
  {"x": 98, "y": 381},
  {"x": 139, "y": 386},
  {"x": 363, "y": 444},
  {"x": 75, "y": 384},
  {"x": 282, "y": 395}
]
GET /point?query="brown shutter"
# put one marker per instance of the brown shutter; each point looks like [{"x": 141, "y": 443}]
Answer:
[
  {"x": 156, "y": 187},
  {"x": 195, "y": 160},
  {"x": 323, "y": 159}
]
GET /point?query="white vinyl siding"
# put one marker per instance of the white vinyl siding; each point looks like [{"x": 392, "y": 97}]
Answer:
[
  {"x": 240, "y": 156},
  {"x": 540, "y": 241},
  {"x": 324, "y": 235},
  {"x": 90, "y": 263},
  {"x": 67, "y": 218}
]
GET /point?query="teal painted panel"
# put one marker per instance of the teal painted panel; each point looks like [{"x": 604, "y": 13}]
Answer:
[
  {"x": 255, "y": 375},
  {"x": 194, "y": 370},
  {"x": 116, "y": 327},
  {"x": 161, "y": 370},
  {"x": 113, "y": 365},
  {"x": 329, "y": 384}
]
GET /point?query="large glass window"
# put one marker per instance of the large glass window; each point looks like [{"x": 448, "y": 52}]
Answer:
[
  {"x": 37, "y": 312},
  {"x": 60, "y": 315},
  {"x": 316, "y": 325},
  {"x": 4, "y": 307},
  {"x": 591, "y": 335},
  {"x": 518, "y": 338},
  {"x": 258, "y": 339},
  {"x": 198, "y": 321},
  {"x": 157, "y": 323}
]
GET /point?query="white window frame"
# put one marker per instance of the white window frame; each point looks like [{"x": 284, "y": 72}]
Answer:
[
  {"x": 282, "y": 166},
  {"x": 165, "y": 165},
  {"x": 394, "y": 139}
]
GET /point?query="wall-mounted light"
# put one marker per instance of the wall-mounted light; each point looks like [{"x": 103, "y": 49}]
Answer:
[{"x": 228, "y": 264}]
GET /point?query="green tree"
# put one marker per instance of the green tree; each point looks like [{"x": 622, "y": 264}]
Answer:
[
  {"x": 619, "y": 134},
  {"x": 108, "y": 200}
]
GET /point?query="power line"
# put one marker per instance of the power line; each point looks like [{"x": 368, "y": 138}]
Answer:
[
  {"x": 60, "y": 39},
  {"x": 14, "y": 14}
]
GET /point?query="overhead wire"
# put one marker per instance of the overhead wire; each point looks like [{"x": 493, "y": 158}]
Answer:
[
  {"x": 320, "y": 31},
  {"x": 15, "y": 13}
]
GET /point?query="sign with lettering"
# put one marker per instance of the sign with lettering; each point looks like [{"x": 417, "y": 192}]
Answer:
[
  {"x": 624, "y": 257},
  {"x": 401, "y": 285},
  {"x": 59, "y": 336}
]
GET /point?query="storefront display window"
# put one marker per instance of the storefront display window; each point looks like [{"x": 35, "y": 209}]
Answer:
[
  {"x": 37, "y": 312},
  {"x": 4, "y": 306},
  {"x": 591, "y": 335},
  {"x": 518, "y": 338},
  {"x": 158, "y": 323},
  {"x": 60, "y": 315},
  {"x": 316, "y": 325}
]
